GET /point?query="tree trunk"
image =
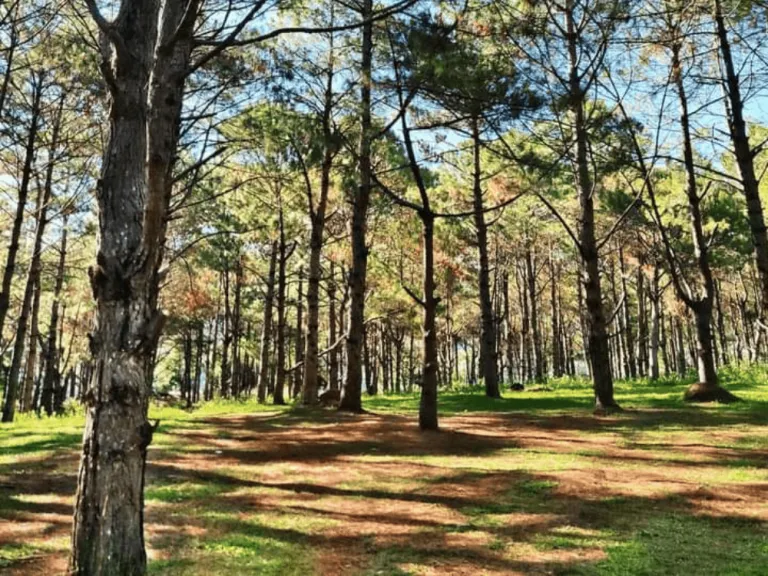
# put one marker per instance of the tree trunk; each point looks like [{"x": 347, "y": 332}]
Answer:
[
  {"x": 557, "y": 367},
  {"x": 744, "y": 158},
  {"x": 28, "y": 383},
  {"x": 629, "y": 337},
  {"x": 351, "y": 400},
  {"x": 299, "y": 334},
  {"x": 51, "y": 376},
  {"x": 311, "y": 382},
  {"x": 487, "y": 325},
  {"x": 278, "y": 397},
  {"x": 226, "y": 369},
  {"x": 598, "y": 336},
  {"x": 428, "y": 401},
  {"x": 707, "y": 389},
  {"x": 333, "y": 360},
  {"x": 146, "y": 85},
  {"x": 642, "y": 324},
  {"x": 266, "y": 326},
  {"x": 237, "y": 368},
  {"x": 653, "y": 348},
  {"x": 13, "y": 246},
  {"x": 538, "y": 357},
  {"x": 31, "y": 299}
]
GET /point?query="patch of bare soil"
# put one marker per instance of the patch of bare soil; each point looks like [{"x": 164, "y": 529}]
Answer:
[{"x": 374, "y": 488}]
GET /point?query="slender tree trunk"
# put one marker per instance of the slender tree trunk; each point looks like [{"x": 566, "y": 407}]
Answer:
[
  {"x": 226, "y": 369},
  {"x": 428, "y": 401},
  {"x": 744, "y": 158},
  {"x": 598, "y": 335},
  {"x": 266, "y": 326},
  {"x": 26, "y": 176},
  {"x": 51, "y": 375},
  {"x": 530, "y": 273},
  {"x": 653, "y": 352},
  {"x": 642, "y": 324},
  {"x": 236, "y": 379},
  {"x": 282, "y": 260},
  {"x": 299, "y": 334},
  {"x": 28, "y": 383},
  {"x": 707, "y": 388},
  {"x": 488, "y": 326},
  {"x": 333, "y": 360},
  {"x": 557, "y": 368},
  {"x": 311, "y": 381},
  {"x": 629, "y": 336},
  {"x": 31, "y": 300},
  {"x": 351, "y": 400}
]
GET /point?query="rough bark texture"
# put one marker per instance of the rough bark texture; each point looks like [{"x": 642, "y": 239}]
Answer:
[{"x": 144, "y": 66}]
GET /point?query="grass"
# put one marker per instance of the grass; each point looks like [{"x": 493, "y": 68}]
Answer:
[{"x": 530, "y": 484}]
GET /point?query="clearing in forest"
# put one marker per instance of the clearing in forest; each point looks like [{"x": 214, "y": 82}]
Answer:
[{"x": 531, "y": 484}]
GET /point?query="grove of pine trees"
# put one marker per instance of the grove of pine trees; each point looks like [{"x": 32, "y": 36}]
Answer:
[{"x": 312, "y": 202}]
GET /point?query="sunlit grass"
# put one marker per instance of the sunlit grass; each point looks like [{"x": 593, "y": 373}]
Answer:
[{"x": 504, "y": 505}]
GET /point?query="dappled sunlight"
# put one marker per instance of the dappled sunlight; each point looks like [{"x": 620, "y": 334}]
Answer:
[{"x": 492, "y": 493}]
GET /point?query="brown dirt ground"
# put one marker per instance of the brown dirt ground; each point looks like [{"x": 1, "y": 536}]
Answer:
[{"x": 365, "y": 475}]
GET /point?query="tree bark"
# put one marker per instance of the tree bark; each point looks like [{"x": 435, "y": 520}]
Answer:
[
  {"x": 351, "y": 400},
  {"x": 744, "y": 158},
  {"x": 488, "y": 324},
  {"x": 597, "y": 333},
  {"x": 299, "y": 334},
  {"x": 145, "y": 68},
  {"x": 282, "y": 260},
  {"x": 52, "y": 376},
  {"x": 428, "y": 399},
  {"x": 26, "y": 176},
  {"x": 266, "y": 326}
]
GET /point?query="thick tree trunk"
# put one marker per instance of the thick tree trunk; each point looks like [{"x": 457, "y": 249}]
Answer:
[
  {"x": 266, "y": 325},
  {"x": 351, "y": 400},
  {"x": 133, "y": 193}
]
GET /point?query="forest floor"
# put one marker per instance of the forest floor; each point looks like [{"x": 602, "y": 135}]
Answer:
[{"x": 531, "y": 484}]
